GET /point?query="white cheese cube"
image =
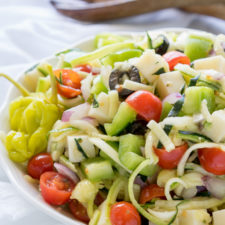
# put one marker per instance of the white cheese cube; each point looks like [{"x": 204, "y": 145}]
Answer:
[
  {"x": 219, "y": 217},
  {"x": 194, "y": 217},
  {"x": 216, "y": 130},
  {"x": 149, "y": 63},
  {"x": 169, "y": 83},
  {"x": 75, "y": 155},
  {"x": 215, "y": 62}
]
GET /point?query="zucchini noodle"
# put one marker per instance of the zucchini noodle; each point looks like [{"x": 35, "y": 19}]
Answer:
[
  {"x": 161, "y": 135},
  {"x": 181, "y": 165},
  {"x": 147, "y": 215},
  {"x": 168, "y": 185},
  {"x": 148, "y": 151}
]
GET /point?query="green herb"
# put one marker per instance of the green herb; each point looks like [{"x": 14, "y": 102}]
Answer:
[
  {"x": 182, "y": 89},
  {"x": 95, "y": 103},
  {"x": 176, "y": 108},
  {"x": 59, "y": 80},
  {"x": 193, "y": 81},
  {"x": 31, "y": 68},
  {"x": 150, "y": 46},
  {"x": 80, "y": 149},
  {"x": 67, "y": 51},
  {"x": 159, "y": 71}
]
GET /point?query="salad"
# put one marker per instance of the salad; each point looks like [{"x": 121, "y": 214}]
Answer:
[{"x": 130, "y": 133}]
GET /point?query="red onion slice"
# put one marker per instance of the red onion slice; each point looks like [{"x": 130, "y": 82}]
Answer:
[
  {"x": 66, "y": 172},
  {"x": 215, "y": 186},
  {"x": 76, "y": 113},
  {"x": 172, "y": 98}
]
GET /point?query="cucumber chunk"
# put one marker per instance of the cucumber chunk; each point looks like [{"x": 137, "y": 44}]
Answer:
[
  {"x": 97, "y": 169},
  {"x": 43, "y": 84},
  {"x": 194, "y": 97},
  {"x": 123, "y": 117},
  {"x": 197, "y": 47},
  {"x": 130, "y": 153}
]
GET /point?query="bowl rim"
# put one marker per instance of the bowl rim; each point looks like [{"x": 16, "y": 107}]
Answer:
[{"x": 42, "y": 206}]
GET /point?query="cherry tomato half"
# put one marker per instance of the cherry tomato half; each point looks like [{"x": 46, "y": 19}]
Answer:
[
  {"x": 170, "y": 160},
  {"x": 175, "y": 57},
  {"x": 56, "y": 188},
  {"x": 146, "y": 104},
  {"x": 68, "y": 82},
  {"x": 79, "y": 211},
  {"x": 212, "y": 160},
  {"x": 151, "y": 191},
  {"x": 124, "y": 213},
  {"x": 39, "y": 164}
]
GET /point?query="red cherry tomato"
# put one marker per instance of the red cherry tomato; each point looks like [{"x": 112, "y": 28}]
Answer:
[
  {"x": 86, "y": 68},
  {"x": 68, "y": 82},
  {"x": 175, "y": 57},
  {"x": 170, "y": 160},
  {"x": 79, "y": 211},
  {"x": 212, "y": 160},
  {"x": 151, "y": 191},
  {"x": 39, "y": 164},
  {"x": 146, "y": 104},
  {"x": 56, "y": 188},
  {"x": 124, "y": 213}
]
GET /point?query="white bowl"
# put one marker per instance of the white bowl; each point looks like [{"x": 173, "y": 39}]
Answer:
[{"x": 15, "y": 171}]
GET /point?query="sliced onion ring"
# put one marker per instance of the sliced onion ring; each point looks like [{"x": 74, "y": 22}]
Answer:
[
  {"x": 215, "y": 186},
  {"x": 66, "y": 172}
]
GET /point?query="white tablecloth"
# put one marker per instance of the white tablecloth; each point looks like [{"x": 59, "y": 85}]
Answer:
[{"x": 31, "y": 30}]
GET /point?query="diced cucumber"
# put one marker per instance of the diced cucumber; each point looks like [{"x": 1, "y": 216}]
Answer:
[
  {"x": 130, "y": 143},
  {"x": 194, "y": 97},
  {"x": 197, "y": 47},
  {"x": 123, "y": 117},
  {"x": 97, "y": 169},
  {"x": 131, "y": 160},
  {"x": 165, "y": 111},
  {"x": 98, "y": 86},
  {"x": 130, "y": 153},
  {"x": 191, "y": 136},
  {"x": 43, "y": 84}
]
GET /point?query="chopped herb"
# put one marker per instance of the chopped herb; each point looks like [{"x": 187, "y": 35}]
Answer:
[
  {"x": 80, "y": 149},
  {"x": 59, "y": 80},
  {"x": 43, "y": 71},
  {"x": 174, "y": 217},
  {"x": 95, "y": 103},
  {"x": 176, "y": 108},
  {"x": 67, "y": 51},
  {"x": 182, "y": 89},
  {"x": 150, "y": 46},
  {"x": 159, "y": 71},
  {"x": 31, "y": 68},
  {"x": 193, "y": 81}
]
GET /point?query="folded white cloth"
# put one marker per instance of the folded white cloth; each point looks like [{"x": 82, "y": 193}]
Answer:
[{"x": 31, "y": 30}]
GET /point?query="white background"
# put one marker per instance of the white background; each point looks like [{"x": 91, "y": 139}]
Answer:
[{"x": 31, "y": 30}]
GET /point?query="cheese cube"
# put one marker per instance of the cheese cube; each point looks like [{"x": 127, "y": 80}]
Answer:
[
  {"x": 215, "y": 62},
  {"x": 194, "y": 217},
  {"x": 169, "y": 83},
  {"x": 149, "y": 63},
  {"x": 75, "y": 155},
  {"x": 216, "y": 130},
  {"x": 219, "y": 217}
]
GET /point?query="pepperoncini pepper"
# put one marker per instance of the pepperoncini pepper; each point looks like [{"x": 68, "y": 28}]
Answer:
[{"x": 31, "y": 118}]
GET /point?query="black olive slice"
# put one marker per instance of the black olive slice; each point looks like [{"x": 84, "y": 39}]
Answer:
[
  {"x": 161, "y": 44},
  {"x": 118, "y": 77}
]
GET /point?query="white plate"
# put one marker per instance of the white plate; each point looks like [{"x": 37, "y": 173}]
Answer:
[{"x": 15, "y": 172}]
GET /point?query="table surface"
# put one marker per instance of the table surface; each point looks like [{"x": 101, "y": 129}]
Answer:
[{"x": 31, "y": 30}]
